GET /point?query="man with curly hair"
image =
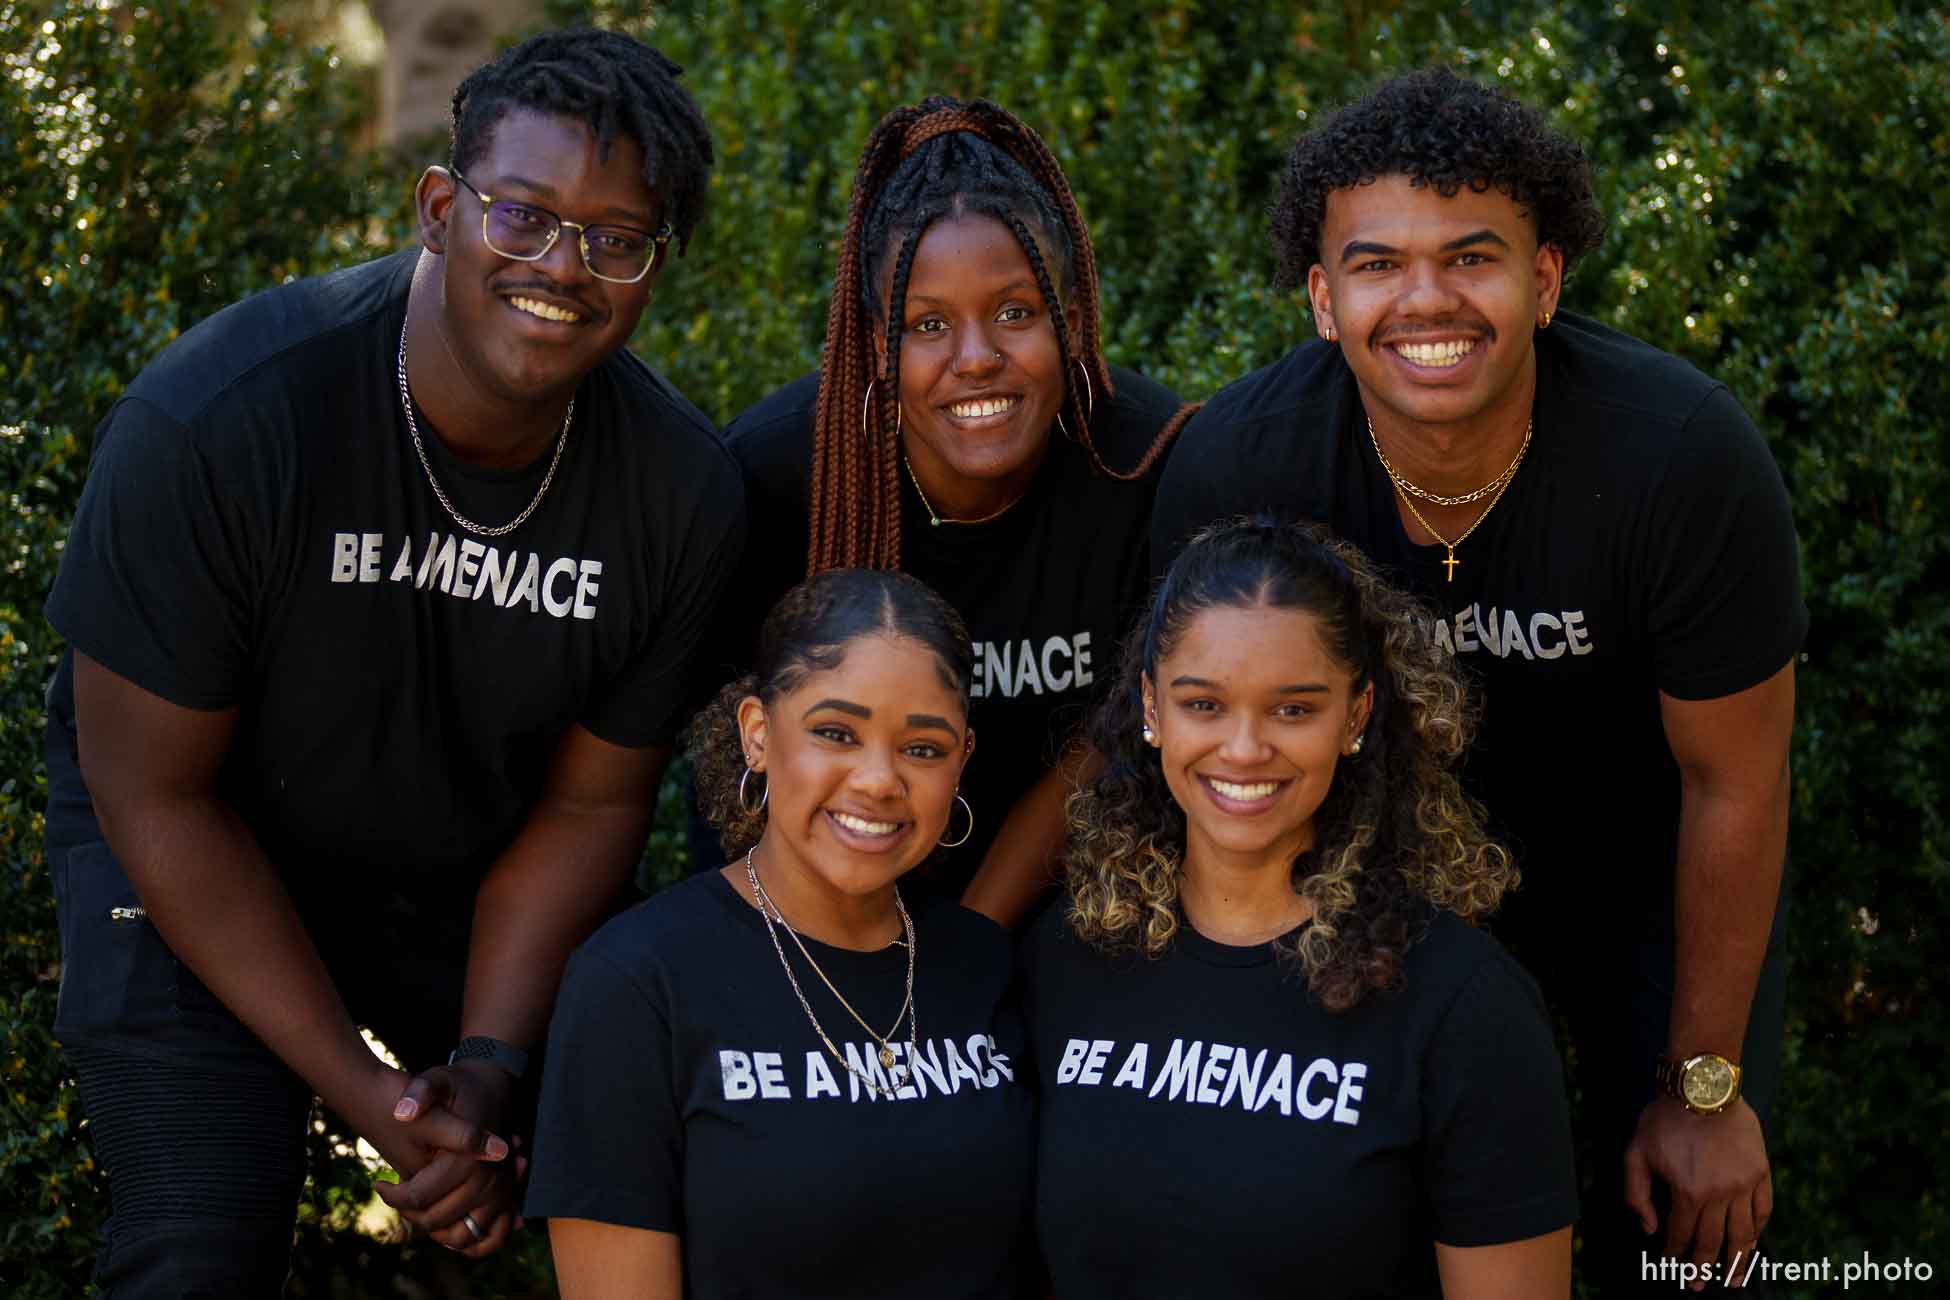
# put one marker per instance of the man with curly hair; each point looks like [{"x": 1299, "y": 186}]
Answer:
[{"x": 1607, "y": 546}]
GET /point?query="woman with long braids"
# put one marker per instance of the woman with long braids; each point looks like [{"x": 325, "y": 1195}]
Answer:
[
  {"x": 964, "y": 427},
  {"x": 779, "y": 1079},
  {"x": 1275, "y": 1057}
]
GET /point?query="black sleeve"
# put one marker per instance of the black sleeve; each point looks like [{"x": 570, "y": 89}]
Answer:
[
  {"x": 609, "y": 1143},
  {"x": 1197, "y": 487},
  {"x": 1724, "y": 591},
  {"x": 156, "y": 583},
  {"x": 654, "y": 695},
  {"x": 1496, "y": 1122}
]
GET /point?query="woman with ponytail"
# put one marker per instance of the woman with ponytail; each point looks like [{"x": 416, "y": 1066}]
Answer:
[
  {"x": 1275, "y": 1056},
  {"x": 779, "y": 1079},
  {"x": 965, "y": 427}
]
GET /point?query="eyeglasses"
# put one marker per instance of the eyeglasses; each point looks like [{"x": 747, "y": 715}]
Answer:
[{"x": 525, "y": 233}]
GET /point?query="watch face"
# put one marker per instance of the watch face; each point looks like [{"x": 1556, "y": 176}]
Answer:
[{"x": 1707, "y": 1081}]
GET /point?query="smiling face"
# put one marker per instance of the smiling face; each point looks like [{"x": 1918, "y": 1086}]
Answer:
[
  {"x": 861, "y": 763},
  {"x": 981, "y": 375},
  {"x": 1433, "y": 300},
  {"x": 529, "y": 331},
  {"x": 1251, "y": 714}
]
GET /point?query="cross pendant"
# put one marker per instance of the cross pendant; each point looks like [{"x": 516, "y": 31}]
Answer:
[{"x": 1449, "y": 566}]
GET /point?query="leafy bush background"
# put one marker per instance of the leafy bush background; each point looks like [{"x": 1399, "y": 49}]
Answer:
[{"x": 1774, "y": 174}]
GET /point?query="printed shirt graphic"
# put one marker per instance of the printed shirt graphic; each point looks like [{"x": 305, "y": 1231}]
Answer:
[
  {"x": 1048, "y": 590},
  {"x": 687, "y": 1092},
  {"x": 1206, "y": 1129},
  {"x": 257, "y": 531},
  {"x": 1645, "y": 545}
]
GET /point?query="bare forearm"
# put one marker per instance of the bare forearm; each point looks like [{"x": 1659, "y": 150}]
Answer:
[
  {"x": 554, "y": 885},
  {"x": 1729, "y": 875},
  {"x": 1022, "y": 859},
  {"x": 219, "y": 904}
]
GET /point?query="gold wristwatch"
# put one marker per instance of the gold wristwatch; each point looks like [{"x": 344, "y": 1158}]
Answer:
[{"x": 1705, "y": 1084}]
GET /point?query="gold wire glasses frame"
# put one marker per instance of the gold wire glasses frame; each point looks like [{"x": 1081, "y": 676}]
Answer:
[{"x": 508, "y": 227}]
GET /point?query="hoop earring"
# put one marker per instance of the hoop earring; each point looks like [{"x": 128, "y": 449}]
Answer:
[
  {"x": 955, "y": 844},
  {"x": 1089, "y": 395},
  {"x": 866, "y": 406},
  {"x": 764, "y": 793}
]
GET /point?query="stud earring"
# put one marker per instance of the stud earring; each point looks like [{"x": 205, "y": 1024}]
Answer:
[
  {"x": 1330, "y": 334},
  {"x": 1544, "y": 321},
  {"x": 1355, "y": 748},
  {"x": 1150, "y": 736}
]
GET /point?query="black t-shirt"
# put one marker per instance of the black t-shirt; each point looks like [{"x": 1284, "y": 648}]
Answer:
[
  {"x": 1205, "y": 1128},
  {"x": 1047, "y": 591},
  {"x": 257, "y": 531},
  {"x": 1645, "y": 545},
  {"x": 686, "y": 1091}
]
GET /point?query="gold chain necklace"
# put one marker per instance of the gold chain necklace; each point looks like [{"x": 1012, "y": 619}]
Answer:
[
  {"x": 413, "y": 427},
  {"x": 935, "y": 520},
  {"x": 1495, "y": 485},
  {"x": 770, "y": 912},
  {"x": 1450, "y": 562}
]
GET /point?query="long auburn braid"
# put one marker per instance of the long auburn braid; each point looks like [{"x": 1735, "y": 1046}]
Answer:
[{"x": 855, "y": 481}]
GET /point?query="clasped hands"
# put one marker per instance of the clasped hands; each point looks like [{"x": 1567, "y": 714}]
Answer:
[{"x": 443, "y": 1130}]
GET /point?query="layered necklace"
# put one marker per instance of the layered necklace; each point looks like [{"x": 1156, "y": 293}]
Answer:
[
  {"x": 413, "y": 427},
  {"x": 775, "y": 921},
  {"x": 1493, "y": 489}
]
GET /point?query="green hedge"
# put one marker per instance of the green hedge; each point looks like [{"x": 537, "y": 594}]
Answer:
[{"x": 1773, "y": 173}]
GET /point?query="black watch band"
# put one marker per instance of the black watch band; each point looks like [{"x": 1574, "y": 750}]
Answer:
[{"x": 502, "y": 1055}]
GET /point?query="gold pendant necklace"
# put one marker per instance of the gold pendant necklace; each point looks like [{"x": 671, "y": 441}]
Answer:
[
  {"x": 935, "y": 520},
  {"x": 770, "y": 912},
  {"x": 1502, "y": 484}
]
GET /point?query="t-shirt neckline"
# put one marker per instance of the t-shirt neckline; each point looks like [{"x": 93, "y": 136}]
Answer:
[{"x": 825, "y": 954}]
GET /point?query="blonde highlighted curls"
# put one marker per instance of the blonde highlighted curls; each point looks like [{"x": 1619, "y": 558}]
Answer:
[{"x": 1395, "y": 835}]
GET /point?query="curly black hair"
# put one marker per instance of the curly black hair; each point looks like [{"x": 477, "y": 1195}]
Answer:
[
  {"x": 612, "y": 82},
  {"x": 807, "y": 632},
  {"x": 1395, "y": 835},
  {"x": 1445, "y": 131}
]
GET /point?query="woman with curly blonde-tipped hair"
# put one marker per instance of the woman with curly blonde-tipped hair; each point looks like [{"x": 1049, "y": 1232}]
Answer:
[{"x": 1275, "y": 1054}]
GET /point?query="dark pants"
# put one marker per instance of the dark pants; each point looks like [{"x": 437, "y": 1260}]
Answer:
[
  {"x": 199, "y": 1128},
  {"x": 1616, "y": 1012}
]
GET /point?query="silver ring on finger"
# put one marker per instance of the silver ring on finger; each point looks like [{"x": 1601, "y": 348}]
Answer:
[{"x": 473, "y": 1228}]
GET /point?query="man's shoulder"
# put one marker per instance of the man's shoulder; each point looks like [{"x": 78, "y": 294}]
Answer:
[
  {"x": 1308, "y": 378},
  {"x": 1595, "y": 372},
  {"x": 772, "y": 438},
  {"x": 295, "y": 324},
  {"x": 648, "y": 403}
]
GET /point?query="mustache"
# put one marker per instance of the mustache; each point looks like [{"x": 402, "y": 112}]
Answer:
[
  {"x": 552, "y": 293},
  {"x": 1478, "y": 328}
]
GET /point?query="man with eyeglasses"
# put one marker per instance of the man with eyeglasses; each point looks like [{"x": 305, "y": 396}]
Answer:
[{"x": 381, "y": 597}]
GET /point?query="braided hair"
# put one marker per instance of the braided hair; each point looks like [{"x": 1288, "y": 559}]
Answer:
[
  {"x": 942, "y": 158},
  {"x": 611, "y": 82}
]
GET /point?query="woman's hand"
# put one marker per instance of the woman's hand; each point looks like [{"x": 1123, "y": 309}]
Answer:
[{"x": 439, "y": 1129}]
